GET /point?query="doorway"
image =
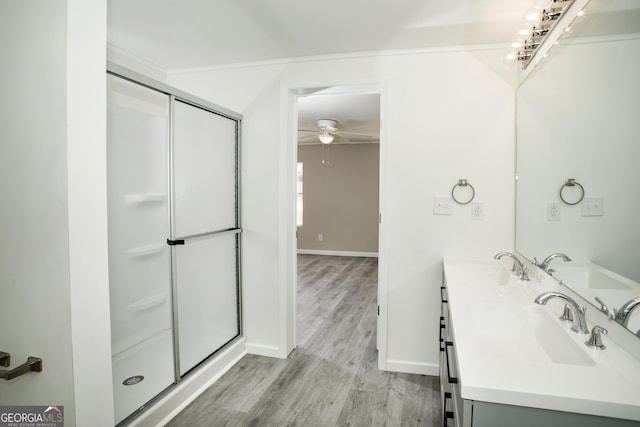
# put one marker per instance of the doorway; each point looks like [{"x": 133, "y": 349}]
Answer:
[{"x": 337, "y": 188}]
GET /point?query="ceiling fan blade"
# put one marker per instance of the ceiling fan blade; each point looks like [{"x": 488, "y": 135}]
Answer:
[
  {"x": 364, "y": 135},
  {"x": 308, "y": 130}
]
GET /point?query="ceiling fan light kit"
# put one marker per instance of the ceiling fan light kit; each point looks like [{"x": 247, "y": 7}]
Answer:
[
  {"x": 327, "y": 126},
  {"x": 326, "y": 138}
]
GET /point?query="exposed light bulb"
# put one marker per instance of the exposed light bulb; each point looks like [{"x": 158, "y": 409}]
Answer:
[
  {"x": 525, "y": 31},
  {"x": 532, "y": 16},
  {"x": 541, "y": 4},
  {"x": 510, "y": 58}
]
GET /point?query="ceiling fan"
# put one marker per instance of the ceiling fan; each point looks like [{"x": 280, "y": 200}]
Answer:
[{"x": 327, "y": 132}]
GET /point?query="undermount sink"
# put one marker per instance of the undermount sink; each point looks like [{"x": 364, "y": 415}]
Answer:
[
  {"x": 485, "y": 273},
  {"x": 524, "y": 333},
  {"x": 590, "y": 277}
]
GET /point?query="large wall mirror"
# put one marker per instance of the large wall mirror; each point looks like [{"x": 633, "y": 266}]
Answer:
[{"x": 578, "y": 117}]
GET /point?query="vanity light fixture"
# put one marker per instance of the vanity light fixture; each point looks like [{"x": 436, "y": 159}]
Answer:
[{"x": 539, "y": 22}]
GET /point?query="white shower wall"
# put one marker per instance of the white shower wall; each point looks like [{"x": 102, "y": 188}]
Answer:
[{"x": 139, "y": 258}]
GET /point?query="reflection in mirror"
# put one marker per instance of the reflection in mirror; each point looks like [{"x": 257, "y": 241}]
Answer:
[{"x": 578, "y": 117}]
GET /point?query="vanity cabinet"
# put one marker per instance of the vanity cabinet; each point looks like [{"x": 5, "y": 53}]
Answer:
[
  {"x": 462, "y": 411},
  {"x": 486, "y": 414},
  {"x": 451, "y": 400}
]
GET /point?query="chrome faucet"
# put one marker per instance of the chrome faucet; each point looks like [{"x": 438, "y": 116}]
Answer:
[
  {"x": 622, "y": 314},
  {"x": 517, "y": 268},
  {"x": 544, "y": 265},
  {"x": 579, "y": 320}
]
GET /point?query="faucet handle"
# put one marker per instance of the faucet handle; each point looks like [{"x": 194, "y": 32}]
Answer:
[
  {"x": 595, "y": 340},
  {"x": 603, "y": 308},
  {"x": 525, "y": 274}
]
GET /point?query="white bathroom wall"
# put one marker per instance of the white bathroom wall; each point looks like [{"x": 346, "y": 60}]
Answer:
[
  {"x": 446, "y": 115},
  {"x": 53, "y": 218},
  {"x": 87, "y": 211},
  {"x": 34, "y": 254}
]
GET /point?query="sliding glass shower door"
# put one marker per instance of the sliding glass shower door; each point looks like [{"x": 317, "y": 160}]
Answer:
[
  {"x": 205, "y": 218},
  {"x": 174, "y": 247}
]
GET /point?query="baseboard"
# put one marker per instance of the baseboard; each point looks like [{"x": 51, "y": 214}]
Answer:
[
  {"x": 407, "y": 367},
  {"x": 264, "y": 350},
  {"x": 167, "y": 407},
  {"x": 337, "y": 253}
]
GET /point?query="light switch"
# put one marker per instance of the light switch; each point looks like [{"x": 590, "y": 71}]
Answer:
[
  {"x": 442, "y": 206},
  {"x": 592, "y": 206}
]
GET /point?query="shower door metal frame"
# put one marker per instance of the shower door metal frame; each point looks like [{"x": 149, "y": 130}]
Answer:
[
  {"x": 237, "y": 230},
  {"x": 174, "y": 95}
]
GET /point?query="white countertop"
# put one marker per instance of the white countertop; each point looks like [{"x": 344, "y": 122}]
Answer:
[{"x": 513, "y": 351}]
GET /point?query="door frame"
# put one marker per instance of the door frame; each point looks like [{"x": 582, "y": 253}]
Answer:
[{"x": 287, "y": 248}]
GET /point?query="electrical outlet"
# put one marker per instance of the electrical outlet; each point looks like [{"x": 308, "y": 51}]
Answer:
[
  {"x": 320, "y": 237},
  {"x": 553, "y": 211},
  {"x": 442, "y": 206},
  {"x": 477, "y": 211},
  {"x": 593, "y": 206}
]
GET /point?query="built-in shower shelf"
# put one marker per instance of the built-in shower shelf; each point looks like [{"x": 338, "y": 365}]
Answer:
[
  {"x": 147, "y": 250},
  {"x": 149, "y": 302},
  {"x": 145, "y": 198}
]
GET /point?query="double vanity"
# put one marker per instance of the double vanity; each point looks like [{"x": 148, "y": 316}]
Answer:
[{"x": 508, "y": 359}]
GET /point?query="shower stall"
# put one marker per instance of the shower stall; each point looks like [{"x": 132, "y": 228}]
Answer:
[{"x": 174, "y": 234}]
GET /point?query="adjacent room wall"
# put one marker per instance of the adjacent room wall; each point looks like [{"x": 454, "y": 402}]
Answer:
[
  {"x": 445, "y": 116},
  {"x": 340, "y": 193}
]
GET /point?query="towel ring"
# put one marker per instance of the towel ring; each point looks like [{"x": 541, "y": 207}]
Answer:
[
  {"x": 462, "y": 183},
  {"x": 572, "y": 183}
]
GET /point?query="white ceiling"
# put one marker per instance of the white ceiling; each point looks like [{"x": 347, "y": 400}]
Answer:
[
  {"x": 355, "y": 108},
  {"x": 179, "y": 34},
  {"x": 184, "y": 34}
]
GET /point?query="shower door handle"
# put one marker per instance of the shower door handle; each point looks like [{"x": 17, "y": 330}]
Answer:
[{"x": 33, "y": 364}]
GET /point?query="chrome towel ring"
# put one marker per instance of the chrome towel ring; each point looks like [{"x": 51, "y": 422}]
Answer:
[
  {"x": 572, "y": 183},
  {"x": 462, "y": 183}
]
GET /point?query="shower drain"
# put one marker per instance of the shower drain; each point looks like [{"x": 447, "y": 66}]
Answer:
[{"x": 133, "y": 380}]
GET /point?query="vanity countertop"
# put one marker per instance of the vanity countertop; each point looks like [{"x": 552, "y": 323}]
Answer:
[{"x": 513, "y": 351}]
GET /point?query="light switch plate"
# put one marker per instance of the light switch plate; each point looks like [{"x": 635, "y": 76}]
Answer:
[
  {"x": 442, "y": 206},
  {"x": 593, "y": 206}
]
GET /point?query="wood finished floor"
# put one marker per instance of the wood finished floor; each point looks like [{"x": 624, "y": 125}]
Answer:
[{"x": 331, "y": 379}]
